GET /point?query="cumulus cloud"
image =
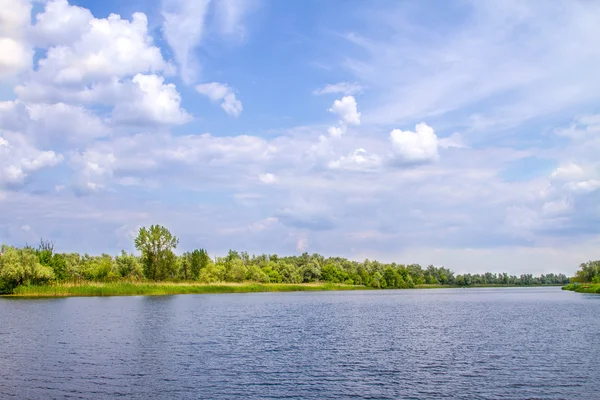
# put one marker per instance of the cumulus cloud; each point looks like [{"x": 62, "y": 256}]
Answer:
[
  {"x": 415, "y": 147},
  {"x": 149, "y": 99},
  {"x": 18, "y": 158},
  {"x": 347, "y": 110},
  {"x": 345, "y": 88},
  {"x": 61, "y": 122},
  {"x": 567, "y": 172},
  {"x": 109, "y": 62},
  {"x": 60, "y": 24},
  {"x": 218, "y": 92},
  {"x": 103, "y": 48},
  {"x": 336, "y": 131},
  {"x": 15, "y": 51},
  {"x": 359, "y": 160}
]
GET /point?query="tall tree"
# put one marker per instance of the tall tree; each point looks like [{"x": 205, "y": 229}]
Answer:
[
  {"x": 199, "y": 259},
  {"x": 157, "y": 244}
]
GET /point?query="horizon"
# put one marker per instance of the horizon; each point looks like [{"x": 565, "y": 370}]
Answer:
[{"x": 462, "y": 135}]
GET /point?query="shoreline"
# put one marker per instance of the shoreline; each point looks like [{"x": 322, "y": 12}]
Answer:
[
  {"x": 105, "y": 289},
  {"x": 590, "y": 288}
]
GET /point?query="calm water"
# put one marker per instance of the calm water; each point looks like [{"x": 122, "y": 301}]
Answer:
[{"x": 533, "y": 343}]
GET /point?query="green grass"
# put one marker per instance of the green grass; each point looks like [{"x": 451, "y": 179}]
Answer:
[
  {"x": 583, "y": 287},
  {"x": 145, "y": 288},
  {"x": 167, "y": 288}
]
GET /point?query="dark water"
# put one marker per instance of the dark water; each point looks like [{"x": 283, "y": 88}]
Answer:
[{"x": 533, "y": 343}]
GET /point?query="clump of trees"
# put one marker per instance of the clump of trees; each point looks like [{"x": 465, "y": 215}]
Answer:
[
  {"x": 158, "y": 261},
  {"x": 588, "y": 272}
]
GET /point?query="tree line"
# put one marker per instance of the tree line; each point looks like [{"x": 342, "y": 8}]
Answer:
[
  {"x": 158, "y": 262},
  {"x": 588, "y": 272}
]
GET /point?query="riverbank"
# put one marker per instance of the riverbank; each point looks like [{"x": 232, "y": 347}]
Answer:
[
  {"x": 167, "y": 288},
  {"x": 83, "y": 289},
  {"x": 593, "y": 288}
]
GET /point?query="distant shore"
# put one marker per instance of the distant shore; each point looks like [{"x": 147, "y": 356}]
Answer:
[
  {"x": 593, "y": 288},
  {"x": 144, "y": 288}
]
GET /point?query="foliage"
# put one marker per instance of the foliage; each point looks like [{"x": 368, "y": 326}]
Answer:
[
  {"x": 593, "y": 288},
  {"x": 21, "y": 267},
  {"x": 158, "y": 262},
  {"x": 157, "y": 244},
  {"x": 588, "y": 272}
]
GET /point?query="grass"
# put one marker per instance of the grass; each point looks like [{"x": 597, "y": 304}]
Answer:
[
  {"x": 146, "y": 288},
  {"x": 167, "y": 288},
  {"x": 583, "y": 287}
]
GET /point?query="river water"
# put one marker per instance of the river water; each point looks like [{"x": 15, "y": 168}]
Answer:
[{"x": 499, "y": 343}]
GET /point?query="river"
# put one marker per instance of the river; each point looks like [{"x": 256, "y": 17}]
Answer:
[{"x": 497, "y": 343}]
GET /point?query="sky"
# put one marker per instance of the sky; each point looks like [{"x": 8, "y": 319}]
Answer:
[{"x": 464, "y": 134}]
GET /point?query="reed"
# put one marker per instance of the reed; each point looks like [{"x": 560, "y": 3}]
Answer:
[{"x": 65, "y": 289}]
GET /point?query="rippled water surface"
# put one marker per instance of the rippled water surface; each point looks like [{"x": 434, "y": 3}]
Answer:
[{"x": 531, "y": 343}]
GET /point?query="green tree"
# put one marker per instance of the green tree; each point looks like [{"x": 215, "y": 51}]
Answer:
[
  {"x": 236, "y": 270},
  {"x": 156, "y": 245},
  {"x": 199, "y": 259},
  {"x": 128, "y": 266},
  {"x": 256, "y": 274},
  {"x": 21, "y": 267}
]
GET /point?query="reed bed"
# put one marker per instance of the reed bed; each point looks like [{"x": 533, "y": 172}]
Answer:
[{"x": 66, "y": 289}]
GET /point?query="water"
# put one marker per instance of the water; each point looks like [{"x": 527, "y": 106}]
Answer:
[{"x": 530, "y": 343}]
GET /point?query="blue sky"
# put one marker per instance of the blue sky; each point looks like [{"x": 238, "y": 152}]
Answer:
[{"x": 462, "y": 134}]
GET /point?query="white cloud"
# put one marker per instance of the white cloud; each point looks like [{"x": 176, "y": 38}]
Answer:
[
  {"x": 15, "y": 52},
  {"x": 52, "y": 124},
  {"x": 60, "y": 121},
  {"x": 568, "y": 172},
  {"x": 150, "y": 100},
  {"x": 60, "y": 24},
  {"x": 18, "y": 158},
  {"x": 347, "y": 110},
  {"x": 95, "y": 169},
  {"x": 150, "y": 159},
  {"x": 415, "y": 147},
  {"x": 220, "y": 92},
  {"x": 104, "y": 48},
  {"x": 112, "y": 119},
  {"x": 268, "y": 178},
  {"x": 583, "y": 186},
  {"x": 358, "y": 160},
  {"x": 336, "y": 131},
  {"x": 183, "y": 27},
  {"x": 97, "y": 61},
  {"x": 345, "y": 88}
]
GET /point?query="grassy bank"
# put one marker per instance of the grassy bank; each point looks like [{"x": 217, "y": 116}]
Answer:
[
  {"x": 584, "y": 287},
  {"x": 68, "y": 289},
  {"x": 167, "y": 288}
]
